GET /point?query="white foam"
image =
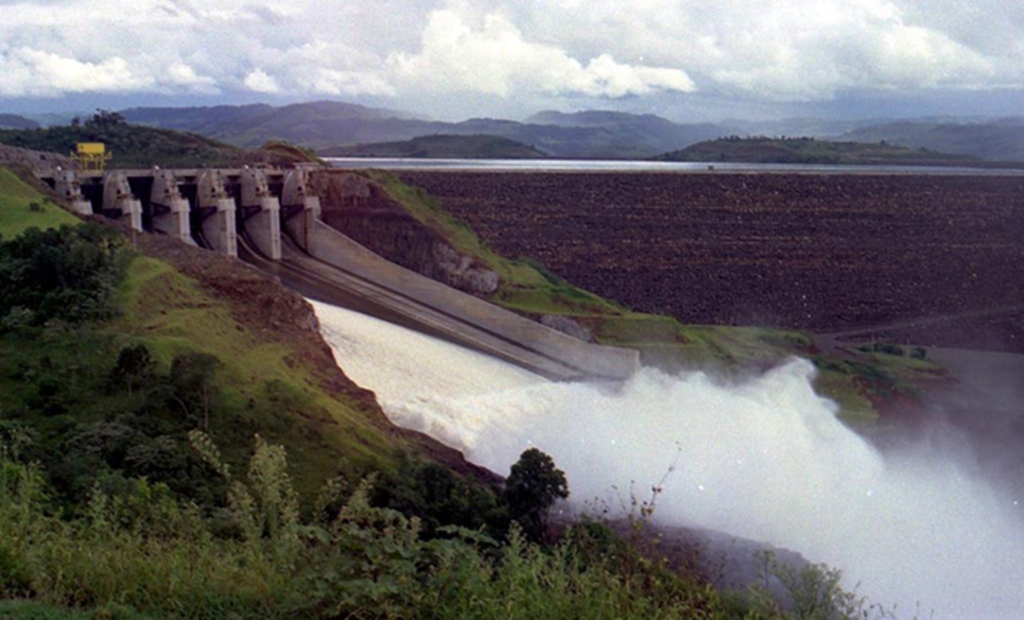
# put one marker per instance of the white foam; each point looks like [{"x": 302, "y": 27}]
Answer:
[{"x": 764, "y": 459}]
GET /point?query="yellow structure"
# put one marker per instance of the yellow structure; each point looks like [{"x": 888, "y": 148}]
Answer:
[{"x": 91, "y": 155}]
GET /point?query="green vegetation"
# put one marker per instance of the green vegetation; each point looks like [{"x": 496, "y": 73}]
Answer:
[
  {"x": 109, "y": 359},
  {"x": 442, "y": 146},
  {"x": 280, "y": 152},
  {"x": 130, "y": 145},
  {"x": 144, "y": 554},
  {"x": 22, "y": 207},
  {"x": 763, "y": 150},
  {"x": 532, "y": 486}
]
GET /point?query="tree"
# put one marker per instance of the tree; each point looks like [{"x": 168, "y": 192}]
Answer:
[
  {"x": 134, "y": 369},
  {"x": 532, "y": 486},
  {"x": 106, "y": 118}
]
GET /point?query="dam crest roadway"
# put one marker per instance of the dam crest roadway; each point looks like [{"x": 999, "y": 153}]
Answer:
[{"x": 269, "y": 218}]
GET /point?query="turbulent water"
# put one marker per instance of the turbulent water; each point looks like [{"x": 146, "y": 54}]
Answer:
[{"x": 763, "y": 458}]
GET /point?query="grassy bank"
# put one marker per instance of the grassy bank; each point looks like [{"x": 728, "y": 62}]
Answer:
[{"x": 22, "y": 207}]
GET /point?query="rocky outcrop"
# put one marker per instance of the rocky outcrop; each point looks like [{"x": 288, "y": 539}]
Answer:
[
  {"x": 37, "y": 161},
  {"x": 354, "y": 205},
  {"x": 567, "y": 326}
]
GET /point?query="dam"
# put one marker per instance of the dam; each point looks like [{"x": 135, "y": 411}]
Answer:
[{"x": 270, "y": 218}]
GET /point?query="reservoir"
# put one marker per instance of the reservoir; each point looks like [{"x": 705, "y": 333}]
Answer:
[{"x": 588, "y": 165}]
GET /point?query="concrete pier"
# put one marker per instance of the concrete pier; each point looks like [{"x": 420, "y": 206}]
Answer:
[
  {"x": 300, "y": 209},
  {"x": 170, "y": 209},
  {"x": 69, "y": 187},
  {"x": 118, "y": 200},
  {"x": 217, "y": 213},
  {"x": 261, "y": 213}
]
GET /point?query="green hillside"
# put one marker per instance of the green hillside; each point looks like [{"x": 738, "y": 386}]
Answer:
[
  {"x": 75, "y": 299},
  {"x": 442, "y": 146},
  {"x": 809, "y": 151},
  {"x": 23, "y": 207},
  {"x": 130, "y": 145}
]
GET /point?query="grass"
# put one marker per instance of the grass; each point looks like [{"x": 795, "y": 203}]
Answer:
[
  {"x": 35, "y": 610},
  {"x": 264, "y": 384},
  {"x": 147, "y": 555},
  {"x": 259, "y": 386},
  {"x": 17, "y": 213}
]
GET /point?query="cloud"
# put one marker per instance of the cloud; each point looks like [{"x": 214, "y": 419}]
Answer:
[
  {"x": 511, "y": 53},
  {"x": 260, "y": 82},
  {"x": 31, "y": 72},
  {"x": 790, "y": 50},
  {"x": 497, "y": 59}
]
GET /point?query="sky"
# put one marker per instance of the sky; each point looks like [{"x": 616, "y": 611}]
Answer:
[{"x": 452, "y": 59}]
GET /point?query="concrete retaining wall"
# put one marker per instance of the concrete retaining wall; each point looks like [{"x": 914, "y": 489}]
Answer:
[{"x": 334, "y": 248}]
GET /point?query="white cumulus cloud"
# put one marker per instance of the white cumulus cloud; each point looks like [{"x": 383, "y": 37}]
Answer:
[
  {"x": 258, "y": 81},
  {"x": 511, "y": 53},
  {"x": 497, "y": 59},
  {"x": 32, "y": 72}
]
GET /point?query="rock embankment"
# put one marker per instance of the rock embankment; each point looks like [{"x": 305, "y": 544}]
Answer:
[
  {"x": 822, "y": 252},
  {"x": 355, "y": 206}
]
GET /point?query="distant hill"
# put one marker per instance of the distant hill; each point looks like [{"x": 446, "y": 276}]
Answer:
[
  {"x": 811, "y": 127},
  {"x": 595, "y": 118},
  {"x": 13, "y": 121},
  {"x": 808, "y": 151},
  {"x": 325, "y": 124},
  {"x": 442, "y": 146},
  {"x": 1000, "y": 140},
  {"x": 130, "y": 145}
]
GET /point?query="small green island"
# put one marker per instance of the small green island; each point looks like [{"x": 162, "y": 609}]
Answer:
[
  {"x": 763, "y": 150},
  {"x": 439, "y": 146}
]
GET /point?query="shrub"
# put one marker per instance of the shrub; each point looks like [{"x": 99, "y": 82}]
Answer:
[
  {"x": 67, "y": 274},
  {"x": 532, "y": 486}
]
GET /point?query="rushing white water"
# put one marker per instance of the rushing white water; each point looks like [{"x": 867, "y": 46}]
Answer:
[{"x": 764, "y": 459}]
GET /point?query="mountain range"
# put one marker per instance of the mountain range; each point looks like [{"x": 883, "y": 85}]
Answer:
[
  {"x": 1000, "y": 140},
  {"x": 339, "y": 127},
  {"x": 13, "y": 121},
  {"x": 323, "y": 124}
]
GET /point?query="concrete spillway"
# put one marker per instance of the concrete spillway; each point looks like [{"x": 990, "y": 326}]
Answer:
[
  {"x": 356, "y": 277},
  {"x": 278, "y": 219}
]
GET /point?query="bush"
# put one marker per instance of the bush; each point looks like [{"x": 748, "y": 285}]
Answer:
[
  {"x": 532, "y": 486},
  {"x": 67, "y": 274}
]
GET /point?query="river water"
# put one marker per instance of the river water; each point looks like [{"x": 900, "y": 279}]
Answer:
[
  {"x": 763, "y": 458},
  {"x": 578, "y": 165}
]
